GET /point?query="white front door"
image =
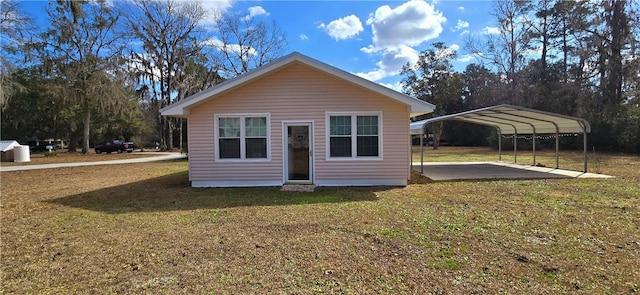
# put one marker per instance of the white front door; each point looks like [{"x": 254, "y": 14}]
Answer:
[{"x": 298, "y": 152}]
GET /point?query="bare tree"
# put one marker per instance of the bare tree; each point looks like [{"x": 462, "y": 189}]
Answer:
[
  {"x": 245, "y": 43},
  {"x": 170, "y": 35},
  {"x": 507, "y": 51},
  {"x": 542, "y": 28}
]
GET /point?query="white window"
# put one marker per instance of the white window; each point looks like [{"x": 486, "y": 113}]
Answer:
[
  {"x": 356, "y": 135},
  {"x": 242, "y": 136}
]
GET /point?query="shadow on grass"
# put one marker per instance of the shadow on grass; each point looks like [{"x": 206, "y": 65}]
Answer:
[{"x": 173, "y": 192}]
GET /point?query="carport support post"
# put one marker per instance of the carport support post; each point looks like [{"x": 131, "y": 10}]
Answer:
[
  {"x": 584, "y": 136},
  {"x": 499, "y": 145},
  {"x": 515, "y": 147},
  {"x": 557, "y": 148},
  {"x": 534, "y": 146},
  {"x": 421, "y": 154}
]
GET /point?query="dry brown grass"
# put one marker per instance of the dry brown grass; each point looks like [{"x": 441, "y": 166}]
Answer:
[{"x": 76, "y": 231}]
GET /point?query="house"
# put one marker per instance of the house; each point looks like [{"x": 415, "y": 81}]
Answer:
[
  {"x": 298, "y": 120},
  {"x": 6, "y": 150}
]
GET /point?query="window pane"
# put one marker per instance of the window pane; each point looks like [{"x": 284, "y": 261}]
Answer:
[
  {"x": 229, "y": 127},
  {"x": 229, "y": 148},
  {"x": 256, "y": 148},
  {"x": 367, "y": 125},
  {"x": 368, "y": 146},
  {"x": 340, "y": 125},
  {"x": 256, "y": 127},
  {"x": 340, "y": 147}
]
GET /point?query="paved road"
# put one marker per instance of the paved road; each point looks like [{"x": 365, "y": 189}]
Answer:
[{"x": 160, "y": 157}]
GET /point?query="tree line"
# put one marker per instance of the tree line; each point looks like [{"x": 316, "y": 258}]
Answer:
[
  {"x": 578, "y": 58},
  {"x": 100, "y": 71},
  {"x": 96, "y": 71}
]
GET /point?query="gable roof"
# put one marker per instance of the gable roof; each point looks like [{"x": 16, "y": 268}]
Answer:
[
  {"x": 510, "y": 119},
  {"x": 181, "y": 108},
  {"x": 7, "y": 145}
]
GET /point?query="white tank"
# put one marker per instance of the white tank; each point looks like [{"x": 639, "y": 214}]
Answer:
[{"x": 21, "y": 154}]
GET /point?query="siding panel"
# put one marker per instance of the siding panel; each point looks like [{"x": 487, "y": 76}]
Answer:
[{"x": 298, "y": 92}]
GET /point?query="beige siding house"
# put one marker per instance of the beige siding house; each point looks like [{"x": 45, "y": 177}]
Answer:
[{"x": 298, "y": 120}]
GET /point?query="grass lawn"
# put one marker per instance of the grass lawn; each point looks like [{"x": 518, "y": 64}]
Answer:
[{"x": 96, "y": 230}]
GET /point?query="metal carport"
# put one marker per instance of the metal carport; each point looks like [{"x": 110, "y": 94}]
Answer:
[{"x": 514, "y": 120}]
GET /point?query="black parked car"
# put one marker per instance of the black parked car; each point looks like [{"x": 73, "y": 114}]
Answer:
[{"x": 115, "y": 146}]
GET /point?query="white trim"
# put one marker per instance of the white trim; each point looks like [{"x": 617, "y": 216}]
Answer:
[
  {"x": 242, "y": 116},
  {"x": 263, "y": 183},
  {"x": 235, "y": 183},
  {"x": 354, "y": 135},
  {"x": 362, "y": 182},
  {"x": 180, "y": 109},
  {"x": 285, "y": 158}
]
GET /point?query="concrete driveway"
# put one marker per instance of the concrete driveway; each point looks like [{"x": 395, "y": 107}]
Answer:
[
  {"x": 495, "y": 170},
  {"x": 160, "y": 157}
]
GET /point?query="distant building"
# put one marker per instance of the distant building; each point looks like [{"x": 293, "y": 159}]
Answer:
[{"x": 6, "y": 147}]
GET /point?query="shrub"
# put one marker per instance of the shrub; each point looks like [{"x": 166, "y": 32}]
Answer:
[{"x": 51, "y": 154}]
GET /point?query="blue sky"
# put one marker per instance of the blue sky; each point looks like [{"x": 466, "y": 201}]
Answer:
[{"x": 372, "y": 39}]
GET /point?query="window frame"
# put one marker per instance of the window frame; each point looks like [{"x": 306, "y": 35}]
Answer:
[
  {"x": 243, "y": 137},
  {"x": 354, "y": 136}
]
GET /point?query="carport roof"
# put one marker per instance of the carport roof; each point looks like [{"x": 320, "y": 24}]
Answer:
[{"x": 510, "y": 119}]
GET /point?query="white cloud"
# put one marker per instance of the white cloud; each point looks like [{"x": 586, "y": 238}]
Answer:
[
  {"x": 454, "y": 47},
  {"x": 411, "y": 24},
  {"x": 213, "y": 42},
  {"x": 396, "y": 31},
  {"x": 218, "y": 5},
  {"x": 460, "y": 8},
  {"x": 369, "y": 49},
  {"x": 304, "y": 37},
  {"x": 255, "y": 11},
  {"x": 491, "y": 31},
  {"x": 219, "y": 45},
  {"x": 466, "y": 58},
  {"x": 395, "y": 86},
  {"x": 343, "y": 28},
  {"x": 460, "y": 25},
  {"x": 212, "y": 8},
  {"x": 393, "y": 59}
]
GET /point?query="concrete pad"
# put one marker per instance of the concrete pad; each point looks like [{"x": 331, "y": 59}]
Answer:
[
  {"x": 495, "y": 170},
  {"x": 298, "y": 188}
]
